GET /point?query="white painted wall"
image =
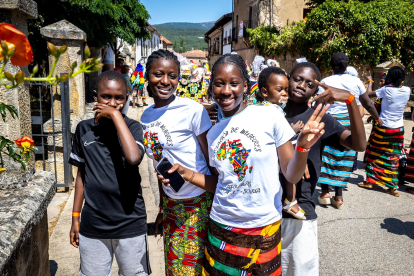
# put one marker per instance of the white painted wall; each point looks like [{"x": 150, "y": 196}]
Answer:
[
  {"x": 147, "y": 46},
  {"x": 226, "y": 33}
]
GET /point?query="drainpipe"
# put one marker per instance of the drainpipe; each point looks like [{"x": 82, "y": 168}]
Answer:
[
  {"x": 232, "y": 24},
  {"x": 271, "y": 12}
]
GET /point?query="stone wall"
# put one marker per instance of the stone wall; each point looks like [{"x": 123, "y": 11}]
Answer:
[{"x": 24, "y": 238}]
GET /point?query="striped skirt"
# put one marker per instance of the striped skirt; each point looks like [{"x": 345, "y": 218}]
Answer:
[
  {"x": 337, "y": 161},
  {"x": 243, "y": 252},
  {"x": 382, "y": 156},
  {"x": 409, "y": 172},
  {"x": 185, "y": 234}
]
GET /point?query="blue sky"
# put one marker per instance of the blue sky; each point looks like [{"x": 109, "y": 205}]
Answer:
[{"x": 163, "y": 11}]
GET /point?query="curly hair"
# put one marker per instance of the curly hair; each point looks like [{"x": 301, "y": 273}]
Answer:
[
  {"x": 165, "y": 54},
  {"x": 264, "y": 77},
  {"x": 233, "y": 59}
]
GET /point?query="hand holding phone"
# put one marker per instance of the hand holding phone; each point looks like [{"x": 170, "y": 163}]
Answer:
[{"x": 176, "y": 181}]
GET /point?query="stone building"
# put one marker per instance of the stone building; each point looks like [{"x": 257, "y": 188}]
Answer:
[
  {"x": 198, "y": 57},
  {"x": 214, "y": 38},
  {"x": 249, "y": 14},
  {"x": 166, "y": 44},
  {"x": 145, "y": 47}
]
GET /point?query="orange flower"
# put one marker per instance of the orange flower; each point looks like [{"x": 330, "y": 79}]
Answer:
[
  {"x": 23, "y": 55},
  {"x": 25, "y": 142}
]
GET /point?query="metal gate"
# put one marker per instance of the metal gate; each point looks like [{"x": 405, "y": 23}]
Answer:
[{"x": 52, "y": 133}]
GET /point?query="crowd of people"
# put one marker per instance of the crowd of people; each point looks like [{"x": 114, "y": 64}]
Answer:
[{"x": 245, "y": 204}]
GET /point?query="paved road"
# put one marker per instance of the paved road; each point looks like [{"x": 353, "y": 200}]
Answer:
[{"x": 373, "y": 235}]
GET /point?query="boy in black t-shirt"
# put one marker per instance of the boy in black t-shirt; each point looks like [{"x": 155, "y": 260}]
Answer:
[
  {"x": 107, "y": 151},
  {"x": 299, "y": 237}
]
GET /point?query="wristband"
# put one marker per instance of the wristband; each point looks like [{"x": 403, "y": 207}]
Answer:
[
  {"x": 75, "y": 214},
  {"x": 370, "y": 80},
  {"x": 350, "y": 99},
  {"x": 301, "y": 149},
  {"x": 377, "y": 120}
]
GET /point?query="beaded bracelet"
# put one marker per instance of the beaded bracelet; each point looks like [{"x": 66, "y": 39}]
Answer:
[{"x": 370, "y": 80}]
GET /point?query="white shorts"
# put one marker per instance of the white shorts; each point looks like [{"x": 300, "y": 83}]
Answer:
[
  {"x": 300, "y": 254},
  {"x": 97, "y": 255}
]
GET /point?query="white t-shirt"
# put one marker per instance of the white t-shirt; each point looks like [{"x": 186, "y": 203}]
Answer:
[
  {"x": 109, "y": 54},
  {"x": 243, "y": 150},
  {"x": 171, "y": 131},
  {"x": 347, "y": 82},
  {"x": 393, "y": 104}
]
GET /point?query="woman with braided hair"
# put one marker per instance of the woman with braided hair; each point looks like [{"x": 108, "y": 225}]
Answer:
[{"x": 176, "y": 128}]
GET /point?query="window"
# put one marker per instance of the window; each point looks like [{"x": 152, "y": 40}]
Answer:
[
  {"x": 305, "y": 12},
  {"x": 249, "y": 24}
]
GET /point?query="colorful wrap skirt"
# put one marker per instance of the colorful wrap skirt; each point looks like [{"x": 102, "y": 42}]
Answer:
[
  {"x": 337, "y": 162},
  {"x": 409, "y": 172},
  {"x": 382, "y": 156},
  {"x": 185, "y": 234},
  {"x": 243, "y": 252}
]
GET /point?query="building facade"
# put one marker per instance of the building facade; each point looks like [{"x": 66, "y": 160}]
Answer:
[
  {"x": 215, "y": 39},
  {"x": 166, "y": 44},
  {"x": 145, "y": 47},
  {"x": 227, "y": 37},
  {"x": 198, "y": 57}
]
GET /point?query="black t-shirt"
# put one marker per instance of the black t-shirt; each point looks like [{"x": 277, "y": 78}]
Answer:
[
  {"x": 306, "y": 187},
  {"x": 114, "y": 207}
]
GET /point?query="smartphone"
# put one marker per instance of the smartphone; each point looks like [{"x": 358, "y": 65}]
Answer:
[
  {"x": 151, "y": 229},
  {"x": 176, "y": 180}
]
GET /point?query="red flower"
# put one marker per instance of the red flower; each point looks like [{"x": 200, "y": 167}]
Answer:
[
  {"x": 25, "y": 142},
  {"x": 16, "y": 39}
]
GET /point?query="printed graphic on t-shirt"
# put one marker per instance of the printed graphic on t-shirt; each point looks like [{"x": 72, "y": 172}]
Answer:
[
  {"x": 151, "y": 142},
  {"x": 237, "y": 155}
]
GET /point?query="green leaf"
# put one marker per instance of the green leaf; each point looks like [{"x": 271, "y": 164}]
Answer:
[
  {"x": 12, "y": 150},
  {"x": 13, "y": 111},
  {"x": 3, "y": 143},
  {"x": 3, "y": 111},
  {"x": 24, "y": 164}
]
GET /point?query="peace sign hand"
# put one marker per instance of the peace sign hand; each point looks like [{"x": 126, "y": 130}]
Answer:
[
  {"x": 332, "y": 94},
  {"x": 313, "y": 129}
]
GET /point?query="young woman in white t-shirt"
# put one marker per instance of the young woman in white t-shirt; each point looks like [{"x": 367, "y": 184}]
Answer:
[
  {"x": 176, "y": 128},
  {"x": 247, "y": 148},
  {"x": 383, "y": 152}
]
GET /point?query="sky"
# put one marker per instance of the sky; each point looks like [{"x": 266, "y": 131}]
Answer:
[{"x": 195, "y": 11}]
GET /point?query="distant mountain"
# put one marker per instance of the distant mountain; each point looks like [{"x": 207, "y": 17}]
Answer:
[
  {"x": 186, "y": 25},
  {"x": 192, "y": 33}
]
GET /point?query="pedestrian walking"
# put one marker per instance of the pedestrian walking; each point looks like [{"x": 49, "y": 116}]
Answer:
[
  {"x": 337, "y": 161},
  {"x": 107, "y": 151},
  {"x": 176, "y": 128},
  {"x": 247, "y": 148},
  {"x": 386, "y": 142},
  {"x": 300, "y": 255}
]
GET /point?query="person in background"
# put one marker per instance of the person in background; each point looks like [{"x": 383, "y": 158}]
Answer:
[
  {"x": 107, "y": 150},
  {"x": 109, "y": 53},
  {"x": 119, "y": 64},
  {"x": 125, "y": 70},
  {"x": 338, "y": 161},
  {"x": 387, "y": 140}
]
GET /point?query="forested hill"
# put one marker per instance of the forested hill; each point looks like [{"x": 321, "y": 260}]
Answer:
[
  {"x": 185, "y": 35},
  {"x": 186, "y": 25}
]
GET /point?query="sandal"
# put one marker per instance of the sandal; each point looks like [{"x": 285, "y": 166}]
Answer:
[
  {"x": 392, "y": 191},
  {"x": 410, "y": 190},
  {"x": 288, "y": 209},
  {"x": 324, "y": 201},
  {"x": 336, "y": 204},
  {"x": 364, "y": 184}
]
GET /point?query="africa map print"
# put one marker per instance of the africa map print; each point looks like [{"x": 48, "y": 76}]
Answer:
[
  {"x": 237, "y": 155},
  {"x": 151, "y": 142}
]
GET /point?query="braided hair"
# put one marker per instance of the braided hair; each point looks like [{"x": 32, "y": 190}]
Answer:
[
  {"x": 264, "y": 77},
  {"x": 165, "y": 54},
  {"x": 395, "y": 76},
  {"x": 235, "y": 60}
]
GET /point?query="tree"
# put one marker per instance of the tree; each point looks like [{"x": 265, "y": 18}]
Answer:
[
  {"x": 99, "y": 19},
  {"x": 182, "y": 45},
  {"x": 175, "y": 46},
  {"x": 370, "y": 32}
]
